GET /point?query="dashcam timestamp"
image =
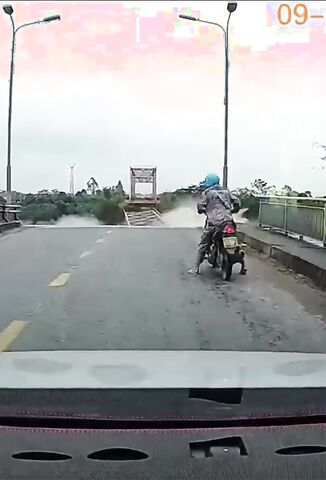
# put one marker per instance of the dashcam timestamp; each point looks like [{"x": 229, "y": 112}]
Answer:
[{"x": 295, "y": 13}]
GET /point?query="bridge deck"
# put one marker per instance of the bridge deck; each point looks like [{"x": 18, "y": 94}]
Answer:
[{"x": 128, "y": 288}]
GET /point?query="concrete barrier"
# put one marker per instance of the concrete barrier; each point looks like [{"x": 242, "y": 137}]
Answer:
[
  {"x": 9, "y": 225},
  {"x": 315, "y": 272},
  {"x": 301, "y": 264}
]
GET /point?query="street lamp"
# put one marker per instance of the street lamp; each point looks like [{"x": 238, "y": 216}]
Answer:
[
  {"x": 231, "y": 7},
  {"x": 9, "y": 11}
]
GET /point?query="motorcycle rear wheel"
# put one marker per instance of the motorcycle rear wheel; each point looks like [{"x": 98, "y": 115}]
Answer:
[{"x": 226, "y": 268}]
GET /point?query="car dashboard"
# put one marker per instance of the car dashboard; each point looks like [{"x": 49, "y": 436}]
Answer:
[{"x": 163, "y": 434}]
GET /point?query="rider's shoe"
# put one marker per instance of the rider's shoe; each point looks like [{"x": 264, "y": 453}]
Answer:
[{"x": 194, "y": 271}]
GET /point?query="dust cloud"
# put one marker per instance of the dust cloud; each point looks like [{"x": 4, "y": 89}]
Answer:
[
  {"x": 77, "y": 221},
  {"x": 239, "y": 218},
  {"x": 186, "y": 216}
]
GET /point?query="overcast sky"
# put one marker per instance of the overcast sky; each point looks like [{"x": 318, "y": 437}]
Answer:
[{"x": 120, "y": 84}]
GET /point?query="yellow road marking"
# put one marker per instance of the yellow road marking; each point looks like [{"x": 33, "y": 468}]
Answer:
[
  {"x": 60, "y": 280},
  {"x": 10, "y": 333}
]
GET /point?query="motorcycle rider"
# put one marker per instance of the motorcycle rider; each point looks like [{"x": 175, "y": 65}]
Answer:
[{"x": 217, "y": 203}]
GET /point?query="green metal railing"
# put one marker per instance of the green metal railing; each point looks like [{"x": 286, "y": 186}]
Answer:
[{"x": 303, "y": 216}]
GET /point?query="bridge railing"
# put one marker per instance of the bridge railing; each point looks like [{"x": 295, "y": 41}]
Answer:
[
  {"x": 9, "y": 213},
  {"x": 302, "y": 216}
]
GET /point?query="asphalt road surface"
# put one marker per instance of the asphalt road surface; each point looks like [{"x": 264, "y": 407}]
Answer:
[{"x": 128, "y": 288}]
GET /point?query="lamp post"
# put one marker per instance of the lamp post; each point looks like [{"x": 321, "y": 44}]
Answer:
[
  {"x": 8, "y": 9},
  {"x": 232, "y": 6}
]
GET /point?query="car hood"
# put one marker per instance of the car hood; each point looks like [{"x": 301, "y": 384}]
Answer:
[{"x": 161, "y": 369}]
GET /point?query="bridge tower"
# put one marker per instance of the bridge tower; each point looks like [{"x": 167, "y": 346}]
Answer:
[{"x": 143, "y": 175}]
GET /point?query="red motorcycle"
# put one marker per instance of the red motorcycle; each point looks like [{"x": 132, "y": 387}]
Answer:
[{"x": 225, "y": 251}]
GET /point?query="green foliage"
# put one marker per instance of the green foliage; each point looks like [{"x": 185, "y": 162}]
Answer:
[
  {"x": 109, "y": 212},
  {"x": 61, "y": 207},
  {"x": 119, "y": 193},
  {"x": 45, "y": 212},
  {"x": 107, "y": 193},
  {"x": 29, "y": 198},
  {"x": 250, "y": 197},
  {"x": 48, "y": 206},
  {"x": 168, "y": 201},
  {"x": 114, "y": 193},
  {"x": 107, "y": 204},
  {"x": 248, "y": 200},
  {"x": 261, "y": 188}
]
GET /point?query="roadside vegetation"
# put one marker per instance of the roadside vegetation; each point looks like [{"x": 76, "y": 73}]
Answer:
[
  {"x": 249, "y": 196},
  {"x": 46, "y": 206},
  {"x": 107, "y": 204}
]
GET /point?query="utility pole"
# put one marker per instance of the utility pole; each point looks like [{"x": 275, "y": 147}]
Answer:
[
  {"x": 8, "y": 9},
  {"x": 232, "y": 6},
  {"x": 72, "y": 180}
]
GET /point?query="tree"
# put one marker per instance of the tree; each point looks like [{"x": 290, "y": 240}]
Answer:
[
  {"x": 62, "y": 196},
  {"x": 61, "y": 207},
  {"x": 44, "y": 191},
  {"x": 261, "y": 188},
  {"x": 92, "y": 185},
  {"x": 47, "y": 206},
  {"x": 81, "y": 196},
  {"x": 119, "y": 192},
  {"x": 40, "y": 213},
  {"x": 70, "y": 209},
  {"x": 306, "y": 193},
  {"x": 286, "y": 191},
  {"x": 107, "y": 193},
  {"x": 109, "y": 212},
  {"x": 168, "y": 201},
  {"x": 248, "y": 200},
  {"x": 29, "y": 198}
]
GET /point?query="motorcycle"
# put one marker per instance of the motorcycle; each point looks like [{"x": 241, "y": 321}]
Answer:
[{"x": 225, "y": 251}]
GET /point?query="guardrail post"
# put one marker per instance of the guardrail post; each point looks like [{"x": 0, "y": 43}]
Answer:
[
  {"x": 285, "y": 225},
  {"x": 2, "y": 213},
  {"x": 259, "y": 214},
  {"x": 306, "y": 219},
  {"x": 324, "y": 229},
  {"x": 5, "y": 214}
]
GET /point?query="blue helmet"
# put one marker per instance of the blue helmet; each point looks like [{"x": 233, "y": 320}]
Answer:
[{"x": 210, "y": 181}]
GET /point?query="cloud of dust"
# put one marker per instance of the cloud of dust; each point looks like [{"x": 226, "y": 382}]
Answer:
[
  {"x": 239, "y": 218},
  {"x": 77, "y": 221},
  {"x": 186, "y": 216}
]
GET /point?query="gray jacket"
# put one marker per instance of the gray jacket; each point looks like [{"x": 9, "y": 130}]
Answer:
[{"x": 217, "y": 202}]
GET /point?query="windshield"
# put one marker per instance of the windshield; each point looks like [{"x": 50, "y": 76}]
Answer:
[{"x": 163, "y": 176}]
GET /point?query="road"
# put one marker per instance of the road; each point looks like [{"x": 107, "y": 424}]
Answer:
[{"x": 128, "y": 288}]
